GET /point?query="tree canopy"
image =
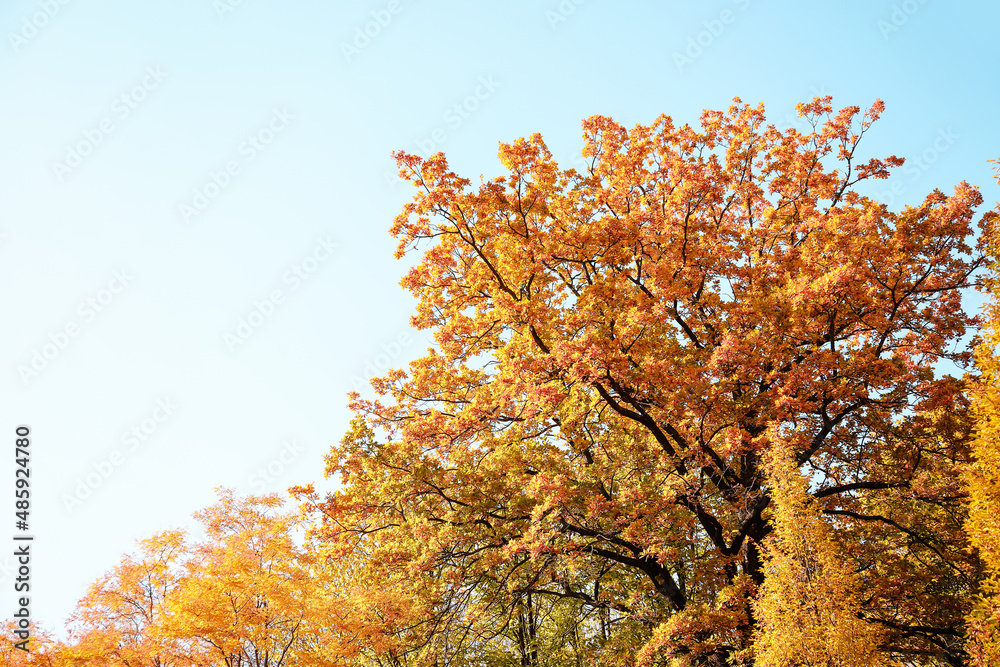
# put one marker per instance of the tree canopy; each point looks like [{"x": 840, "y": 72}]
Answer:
[{"x": 620, "y": 350}]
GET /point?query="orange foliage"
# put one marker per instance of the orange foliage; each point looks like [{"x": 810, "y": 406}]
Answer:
[
  {"x": 42, "y": 650},
  {"x": 616, "y": 350}
]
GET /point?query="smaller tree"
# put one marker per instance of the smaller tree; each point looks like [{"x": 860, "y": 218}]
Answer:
[
  {"x": 246, "y": 595},
  {"x": 808, "y": 610},
  {"x": 43, "y": 649},
  {"x": 984, "y": 475},
  {"x": 120, "y": 621}
]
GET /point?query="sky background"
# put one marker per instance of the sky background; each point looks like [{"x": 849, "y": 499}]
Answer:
[{"x": 273, "y": 122}]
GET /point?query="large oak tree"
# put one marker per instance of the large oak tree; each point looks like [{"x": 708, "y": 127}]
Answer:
[{"x": 618, "y": 351}]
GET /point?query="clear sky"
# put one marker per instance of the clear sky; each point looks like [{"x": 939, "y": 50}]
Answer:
[{"x": 171, "y": 169}]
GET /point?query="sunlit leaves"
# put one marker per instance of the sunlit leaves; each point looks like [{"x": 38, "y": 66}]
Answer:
[
  {"x": 619, "y": 348},
  {"x": 984, "y": 475}
]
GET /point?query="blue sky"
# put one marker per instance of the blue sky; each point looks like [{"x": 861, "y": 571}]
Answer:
[{"x": 193, "y": 232}]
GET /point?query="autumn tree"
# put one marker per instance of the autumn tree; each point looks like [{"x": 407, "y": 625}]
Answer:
[
  {"x": 120, "y": 620},
  {"x": 618, "y": 352},
  {"x": 247, "y": 594},
  {"x": 41, "y": 649},
  {"x": 809, "y": 608},
  {"x": 984, "y": 475}
]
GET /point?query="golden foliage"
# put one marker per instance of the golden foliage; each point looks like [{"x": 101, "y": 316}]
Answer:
[
  {"x": 983, "y": 477},
  {"x": 809, "y": 611}
]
